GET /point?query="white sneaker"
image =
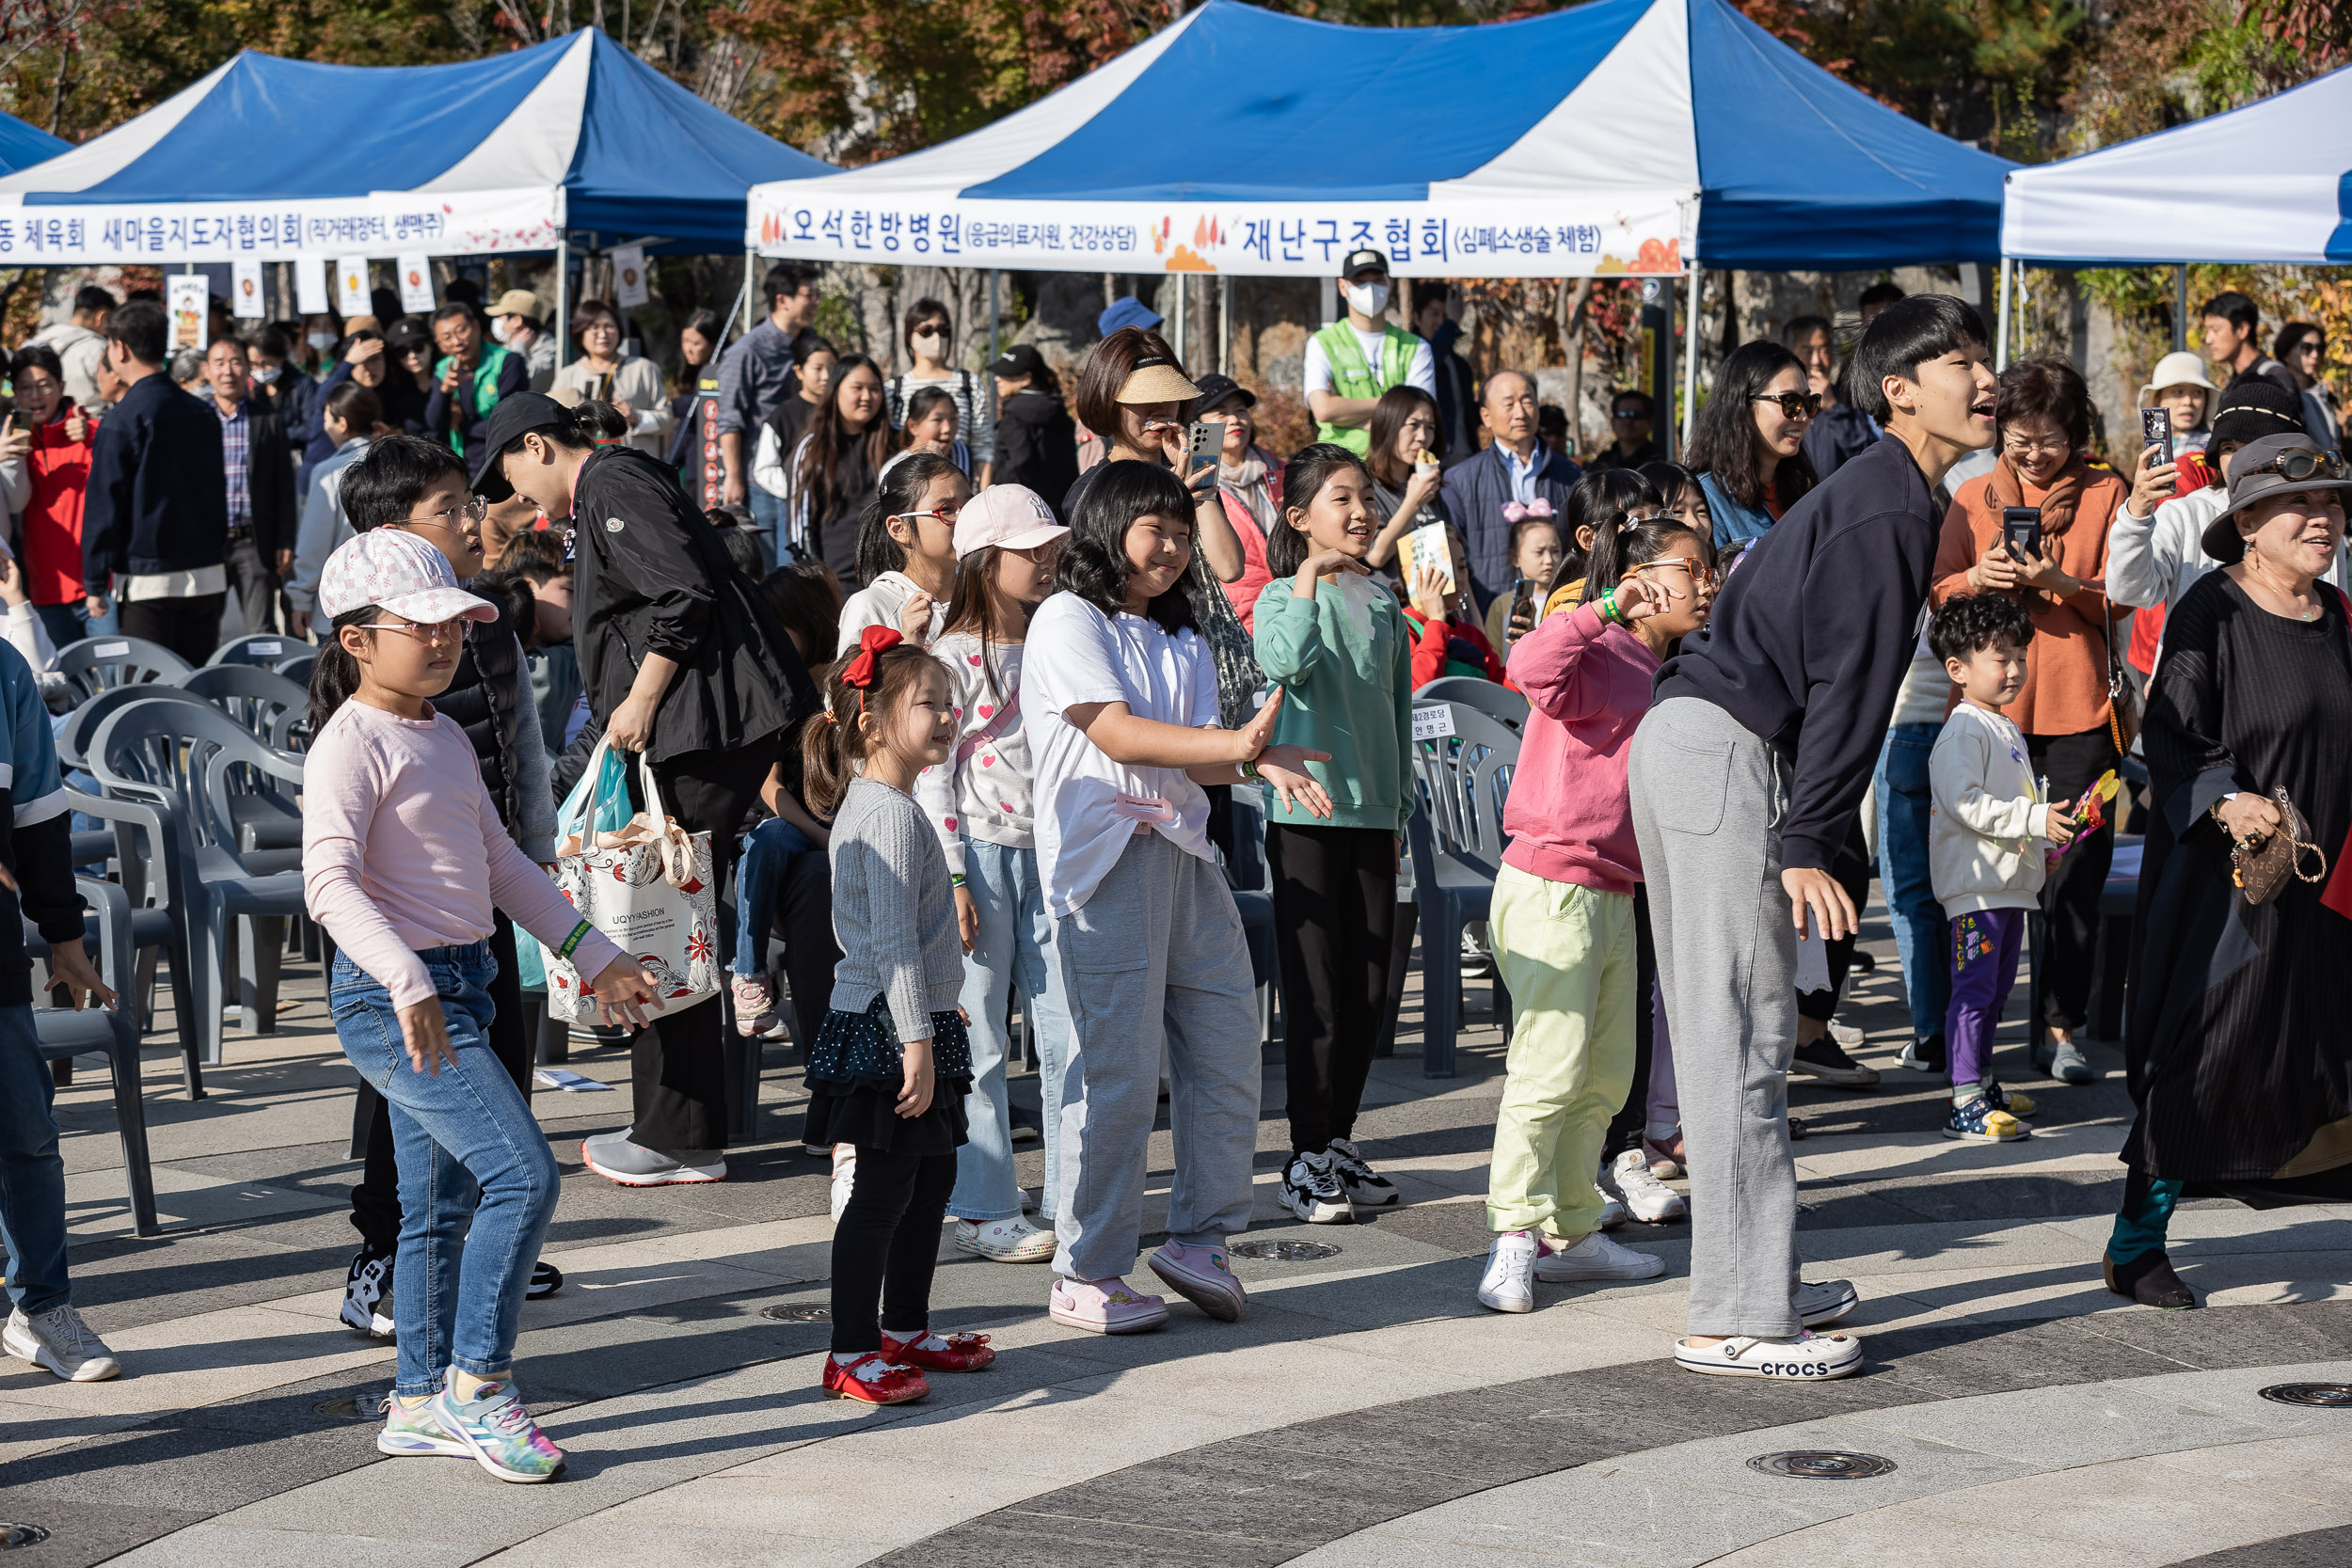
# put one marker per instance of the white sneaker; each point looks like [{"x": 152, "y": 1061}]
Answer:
[
  {"x": 1819, "y": 1304},
  {"x": 1510, "y": 1282},
  {"x": 844, "y": 1176},
  {"x": 1648, "y": 1199},
  {"x": 1808, "y": 1358},
  {"x": 60, "y": 1341},
  {"x": 1596, "y": 1258},
  {"x": 1612, "y": 1213},
  {"x": 1012, "y": 1241}
]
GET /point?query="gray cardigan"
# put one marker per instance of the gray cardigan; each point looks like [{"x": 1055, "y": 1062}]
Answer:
[{"x": 893, "y": 912}]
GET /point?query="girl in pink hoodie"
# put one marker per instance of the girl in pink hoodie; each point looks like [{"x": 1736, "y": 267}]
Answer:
[{"x": 1563, "y": 916}]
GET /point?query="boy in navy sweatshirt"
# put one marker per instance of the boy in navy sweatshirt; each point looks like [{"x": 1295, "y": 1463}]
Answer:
[{"x": 1744, "y": 776}]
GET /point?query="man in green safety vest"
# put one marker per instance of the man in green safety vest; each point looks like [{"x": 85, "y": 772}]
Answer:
[
  {"x": 470, "y": 378},
  {"x": 1351, "y": 362}
]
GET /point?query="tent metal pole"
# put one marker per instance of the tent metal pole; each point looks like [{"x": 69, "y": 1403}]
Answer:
[
  {"x": 751, "y": 260},
  {"x": 563, "y": 300},
  {"x": 2000, "y": 333},
  {"x": 996, "y": 335},
  {"x": 1694, "y": 294},
  {"x": 2179, "y": 307},
  {"x": 1224, "y": 323},
  {"x": 1181, "y": 316}
]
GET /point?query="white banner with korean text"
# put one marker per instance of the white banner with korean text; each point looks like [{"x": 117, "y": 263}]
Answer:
[
  {"x": 386, "y": 223},
  {"x": 1518, "y": 236}
]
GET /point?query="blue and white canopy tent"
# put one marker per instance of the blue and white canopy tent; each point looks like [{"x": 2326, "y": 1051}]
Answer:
[
  {"x": 1618, "y": 136},
  {"x": 268, "y": 159},
  {"x": 21, "y": 145},
  {"x": 2280, "y": 169}
]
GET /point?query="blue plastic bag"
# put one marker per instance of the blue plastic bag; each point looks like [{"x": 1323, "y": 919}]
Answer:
[{"x": 605, "y": 781}]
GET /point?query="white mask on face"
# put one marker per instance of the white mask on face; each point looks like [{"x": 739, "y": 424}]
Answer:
[
  {"x": 498, "y": 328},
  {"x": 1368, "y": 299},
  {"x": 929, "y": 344},
  {"x": 265, "y": 376},
  {"x": 321, "y": 340}
]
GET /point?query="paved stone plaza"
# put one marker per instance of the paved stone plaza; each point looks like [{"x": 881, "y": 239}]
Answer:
[{"x": 1367, "y": 1412}]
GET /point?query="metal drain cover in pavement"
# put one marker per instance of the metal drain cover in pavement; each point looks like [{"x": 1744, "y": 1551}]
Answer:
[
  {"x": 21, "y": 1535},
  {"x": 1818, "y": 1464},
  {"x": 799, "y": 1312},
  {"x": 2323, "y": 1396},
  {"x": 1283, "y": 1251}
]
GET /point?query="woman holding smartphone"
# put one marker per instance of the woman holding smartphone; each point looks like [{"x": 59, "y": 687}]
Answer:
[{"x": 2050, "y": 552}]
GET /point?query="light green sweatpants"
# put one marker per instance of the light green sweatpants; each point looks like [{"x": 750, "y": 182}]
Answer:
[{"x": 1566, "y": 952}]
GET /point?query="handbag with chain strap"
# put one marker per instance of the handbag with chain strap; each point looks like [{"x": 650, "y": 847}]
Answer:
[{"x": 2261, "y": 869}]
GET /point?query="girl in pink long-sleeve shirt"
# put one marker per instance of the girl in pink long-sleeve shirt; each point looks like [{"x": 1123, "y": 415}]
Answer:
[
  {"x": 1563, "y": 918},
  {"x": 403, "y": 858}
]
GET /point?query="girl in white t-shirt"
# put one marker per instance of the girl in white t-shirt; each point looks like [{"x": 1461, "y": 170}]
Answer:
[
  {"x": 1119, "y": 697},
  {"x": 906, "y": 549}
]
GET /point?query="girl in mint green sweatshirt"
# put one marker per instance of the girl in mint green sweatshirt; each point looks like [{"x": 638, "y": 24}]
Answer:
[{"x": 1339, "y": 648}]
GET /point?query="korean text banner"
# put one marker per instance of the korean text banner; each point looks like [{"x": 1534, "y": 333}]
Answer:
[
  {"x": 448, "y": 223},
  {"x": 1533, "y": 236}
]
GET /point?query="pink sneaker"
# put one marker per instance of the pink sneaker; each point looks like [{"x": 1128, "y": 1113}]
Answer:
[
  {"x": 1203, "y": 1276},
  {"x": 756, "y": 1015},
  {"x": 1103, "y": 1306}
]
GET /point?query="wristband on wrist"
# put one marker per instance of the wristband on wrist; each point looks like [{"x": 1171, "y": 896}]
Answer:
[
  {"x": 1607, "y": 605},
  {"x": 1249, "y": 771},
  {"x": 571, "y": 943},
  {"x": 955, "y": 878}
]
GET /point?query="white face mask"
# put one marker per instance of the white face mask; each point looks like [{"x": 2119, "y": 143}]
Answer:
[
  {"x": 266, "y": 375},
  {"x": 929, "y": 344},
  {"x": 321, "y": 340},
  {"x": 498, "y": 328},
  {"x": 1367, "y": 299}
]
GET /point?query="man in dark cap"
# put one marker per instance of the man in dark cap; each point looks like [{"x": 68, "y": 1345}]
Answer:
[{"x": 1355, "y": 360}]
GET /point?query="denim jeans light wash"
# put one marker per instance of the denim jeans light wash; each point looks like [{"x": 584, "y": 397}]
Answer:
[
  {"x": 768, "y": 851},
  {"x": 768, "y": 516},
  {"x": 32, "y": 1173},
  {"x": 467, "y": 1144},
  {"x": 1014, "y": 947},
  {"x": 1905, "y": 802}
]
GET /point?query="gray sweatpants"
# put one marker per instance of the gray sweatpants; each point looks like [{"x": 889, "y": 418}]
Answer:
[
  {"x": 1709, "y": 801},
  {"x": 1154, "y": 966}
]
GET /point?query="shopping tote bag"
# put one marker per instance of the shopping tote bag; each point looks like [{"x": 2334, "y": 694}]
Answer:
[{"x": 648, "y": 884}]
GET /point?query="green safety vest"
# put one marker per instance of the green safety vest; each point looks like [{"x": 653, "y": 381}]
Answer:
[
  {"x": 1352, "y": 378},
  {"x": 485, "y": 385}
]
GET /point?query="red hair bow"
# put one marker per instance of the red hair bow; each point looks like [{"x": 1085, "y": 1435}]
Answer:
[{"x": 871, "y": 646}]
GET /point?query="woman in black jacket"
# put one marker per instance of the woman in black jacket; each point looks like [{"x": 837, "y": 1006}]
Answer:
[
  {"x": 1037, "y": 441},
  {"x": 684, "y": 664}
]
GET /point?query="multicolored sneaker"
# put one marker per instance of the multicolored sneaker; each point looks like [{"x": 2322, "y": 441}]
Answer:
[
  {"x": 1010, "y": 1240},
  {"x": 410, "y": 1430},
  {"x": 2017, "y": 1102},
  {"x": 935, "y": 1353},
  {"x": 873, "y": 1379},
  {"x": 494, "y": 1427},
  {"x": 1974, "y": 1121},
  {"x": 755, "y": 1016}
]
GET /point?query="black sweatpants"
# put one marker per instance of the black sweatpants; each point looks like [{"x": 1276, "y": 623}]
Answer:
[
  {"x": 886, "y": 1246},
  {"x": 1334, "y": 911},
  {"x": 677, "y": 1068},
  {"x": 1850, "y": 867},
  {"x": 189, "y": 627},
  {"x": 2070, "y": 898},
  {"x": 1632, "y": 1118},
  {"x": 375, "y": 1199}
]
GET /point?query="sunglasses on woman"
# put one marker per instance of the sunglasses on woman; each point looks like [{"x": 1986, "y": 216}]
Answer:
[{"x": 1797, "y": 405}]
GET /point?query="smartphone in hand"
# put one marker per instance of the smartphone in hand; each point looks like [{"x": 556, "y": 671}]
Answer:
[
  {"x": 2156, "y": 429},
  {"x": 2021, "y": 532}
]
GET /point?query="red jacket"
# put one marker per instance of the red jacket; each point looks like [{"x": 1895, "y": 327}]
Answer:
[
  {"x": 1437, "y": 642},
  {"x": 52, "y": 538}
]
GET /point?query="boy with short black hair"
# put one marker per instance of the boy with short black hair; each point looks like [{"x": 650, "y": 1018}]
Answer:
[
  {"x": 1984, "y": 847},
  {"x": 1745, "y": 775}
]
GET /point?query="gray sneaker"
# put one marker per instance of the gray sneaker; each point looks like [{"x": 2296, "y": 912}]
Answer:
[
  {"x": 612, "y": 1156},
  {"x": 2068, "y": 1064},
  {"x": 59, "y": 1340},
  {"x": 1826, "y": 1301}
]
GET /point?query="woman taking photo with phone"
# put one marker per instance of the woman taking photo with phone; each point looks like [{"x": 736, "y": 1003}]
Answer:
[
  {"x": 2055, "y": 563},
  {"x": 1747, "y": 445}
]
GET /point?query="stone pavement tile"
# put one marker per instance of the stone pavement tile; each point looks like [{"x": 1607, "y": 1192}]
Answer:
[
  {"x": 2313, "y": 1468},
  {"x": 84, "y": 1533},
  {"x": 185, "y": 1465},
  {"x": 97, "y": 1203},
  {"x": 2318, "y": 1549},
  {"x": 704, "y": 1545},
  {"x": 128, "y": 1283},
  {"x": 1719, "y": 1466},
  {"x": 179, "y": 1363},
  {"x": 1591, "y": 1514},
  {"x": 1899, "y": 1154},
  {"x": 2218, "y": 1337},
  {"x": 212, "y": 1544},
  {"x": 1945, "y": 1360},
  {"x": 1860, "y": 1251},
  {"x": 1019, "y": 1537},
  {"x": 2233, "y": 1228},
  {"x": 2052, "y": 1428}
]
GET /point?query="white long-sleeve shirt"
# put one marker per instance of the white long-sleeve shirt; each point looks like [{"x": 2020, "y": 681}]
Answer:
[{"x": 2154, "y": 560}]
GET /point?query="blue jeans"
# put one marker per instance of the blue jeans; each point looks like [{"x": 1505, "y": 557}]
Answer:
[
  {"x": 1014, "y": 946},
  {"x": 32, "y": 1173},
  {"x": 768, "y": 516},
  {"x": 65, "y": 624},
  {"x": 768, "y": 851},
  {"x": 465, "y": 1134},
  {"x": 1905, "y": 802}
]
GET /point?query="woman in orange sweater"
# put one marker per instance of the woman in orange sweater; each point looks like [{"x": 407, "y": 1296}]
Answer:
[{"x": 2044, "y": 416}]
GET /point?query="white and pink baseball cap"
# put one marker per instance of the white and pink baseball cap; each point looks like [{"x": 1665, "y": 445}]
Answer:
[
  {"x": 399, "y": 573},
  {"x": 1011, "y": 515}
]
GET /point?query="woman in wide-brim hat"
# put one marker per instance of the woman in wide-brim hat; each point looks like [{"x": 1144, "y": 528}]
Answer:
[{"x": 2238, "y": 1044}]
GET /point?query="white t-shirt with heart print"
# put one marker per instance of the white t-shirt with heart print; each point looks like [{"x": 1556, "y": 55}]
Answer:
[{"x": 983, "y": 790}]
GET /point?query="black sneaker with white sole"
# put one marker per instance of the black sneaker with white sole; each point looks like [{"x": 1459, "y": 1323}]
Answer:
[
  {"x": 546, "y": 1279},
  {"x": 1366, "y": 1188},
  {"x": 1311, "y": 1189},
  {"x": 368, "y": 1295},
  {"x": 1827, "y": 1060}
]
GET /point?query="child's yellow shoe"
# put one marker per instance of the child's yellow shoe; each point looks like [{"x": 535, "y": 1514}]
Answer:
[
  {"x": 2015, "y": 1102},
  {"x": 1975, "y": 1120}
]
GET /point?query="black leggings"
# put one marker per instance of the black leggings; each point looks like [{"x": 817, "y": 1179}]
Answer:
[
  {"x": 1850, "y": 866},
  {"x": 1632, "y": 1118},
  {"x": 1334, "y": 912},
  {"x": 886, "y": 1246},
  {"x": 375, "y": 1198}
]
